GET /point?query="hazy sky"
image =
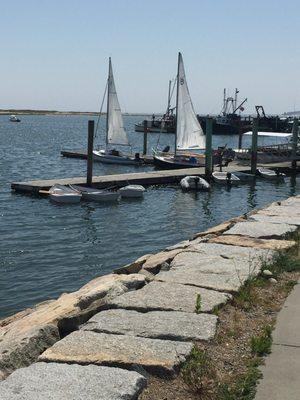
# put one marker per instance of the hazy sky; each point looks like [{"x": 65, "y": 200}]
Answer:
[{"x": 54, "y": 54}]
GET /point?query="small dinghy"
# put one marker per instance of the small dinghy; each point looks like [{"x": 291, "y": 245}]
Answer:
[
  {"x": 270, "y": 174},
  {"x": 64, "y": 194},
  {"x": 132, "y": 191},
  {"x": 194, "y": 183},
  {"x": 245, "y": 177},
  {"x": 93, "y": 194},
  {"x": 226, "y": 178}
]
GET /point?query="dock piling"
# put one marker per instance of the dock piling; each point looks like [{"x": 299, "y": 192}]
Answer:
[
  {"x": 89, "y": 173},
  {"x": 294, "y": 144},
  {"x": 145, "y": 137},
  {"x": 208, "y": 148},
  {"x": 254, "y": 146}
]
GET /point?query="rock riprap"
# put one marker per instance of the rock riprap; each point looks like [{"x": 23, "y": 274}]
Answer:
[
  {"x": 45, "y": 381},
  {"x": 87, "y": 347},
  {"x": 24, "y": 337},
  {"x": 246, "y": 241},
  {"x": 165, "y": 296},
  {"x": 212, "y": 272},
  {"x": 170, "y": 325},
  {"x": 264, "y": 230}
]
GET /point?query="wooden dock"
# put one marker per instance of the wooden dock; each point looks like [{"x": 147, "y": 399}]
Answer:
[
  {"x": 82, "y": 154},
  {"x": 141, "y": 178}
]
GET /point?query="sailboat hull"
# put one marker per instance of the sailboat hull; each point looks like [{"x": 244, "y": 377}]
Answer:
[
  {"x": 111, "y": 159},
  {"x": 172, "y": 163}
]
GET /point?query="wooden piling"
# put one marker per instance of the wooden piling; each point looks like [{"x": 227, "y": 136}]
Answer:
[
  {"x": 208, "y": 148},
  {"x": 294, "y": 144},
  {"x": 254, "y": 146},
  {"x": 145, "y": 137},
  {"x": 89, "y": 173}
]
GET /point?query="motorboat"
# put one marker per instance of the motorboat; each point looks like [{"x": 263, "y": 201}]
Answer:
[
  {"x": 194, "y": 183},
  {"x": 14, "y": 118},
  {"x": 64, "y": 194},
  {"x": 225, "y": 178},
  {"x": 93, "y": 194},
  {"x": 115, "y": 134},
  {"x": 270, "y": 174},
  {"x": 245, "y": 177},
  {"x": 132, "y": 191}
]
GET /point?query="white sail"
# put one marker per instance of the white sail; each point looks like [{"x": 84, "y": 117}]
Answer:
[
  {"x": 115, "y": 127},
  {"x": 189, "y": 133}
]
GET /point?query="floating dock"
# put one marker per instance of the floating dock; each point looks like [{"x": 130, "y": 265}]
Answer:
[{"x": 138, "y": 178}]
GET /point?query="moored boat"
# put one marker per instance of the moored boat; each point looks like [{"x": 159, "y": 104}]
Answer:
[
  {"x": 189, "y": 134},
  {"x": 64, "y": 194},
  {"x": 115, "y": 131},
  {"x": 194, "y": 183},
  {"x": 270, "y": 174},
  {"x": 93, "y": 194},
  {"x": 225, "y": 178},
  {"x": 14, "y": 118},
  {"x": 132, "y": 191}
]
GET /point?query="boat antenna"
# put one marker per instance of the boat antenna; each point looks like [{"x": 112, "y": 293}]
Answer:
[
  {"x": 176, "y": 119},
  {"x": 100, "y": 112}
]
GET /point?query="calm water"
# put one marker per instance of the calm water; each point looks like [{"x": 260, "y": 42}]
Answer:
[{"x": 46, "y": 249}]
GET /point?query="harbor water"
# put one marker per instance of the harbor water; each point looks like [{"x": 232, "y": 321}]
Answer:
[{"x": 48, "y": 249}]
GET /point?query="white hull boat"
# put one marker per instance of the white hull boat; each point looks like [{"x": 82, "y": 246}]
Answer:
[
  {"x": 194, "y": 183},
  {"x": 14, "y": 118},
  {"x": 270, "y": 174},
  {"x": 132, "y": 191},
  {"x": 92, "y": 194},
  {"x": 109, "y": 158},
  {"x": 225, "y": 178},
  {"x": 64, "y": 194}
]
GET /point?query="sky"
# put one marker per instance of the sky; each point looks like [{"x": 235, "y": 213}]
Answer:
[{"x": 54, "y": 54}]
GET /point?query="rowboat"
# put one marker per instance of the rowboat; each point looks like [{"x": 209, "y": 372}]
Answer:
[
  {"x": 270, "y": 174},
  {"x": 225, "y": 178},
  {"x": 64, "y": 194},
  {"x": 93, "y": 194},
  {"x": 132, "y": 191}
]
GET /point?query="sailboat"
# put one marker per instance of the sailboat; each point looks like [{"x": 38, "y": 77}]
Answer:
[
  {"x": 189, "y": 134},
  {"x": 115, "y": 132}
]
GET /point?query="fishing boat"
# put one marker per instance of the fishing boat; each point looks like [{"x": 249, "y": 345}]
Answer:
[
  {"x": 194, "y": 183},
  {"x": 225, "y": 178},
  {"x": 14, "y": 118},
  {"x": 64, "y": 194},
  {"x": 115, "y": 132},
  {"x": 132, "y": 191},
  {"x": 270, "y": 174},
  {"x": 165, "y": 124},
  {"x": 92, "y": 194},
  {"x": 189, "y": 134}
]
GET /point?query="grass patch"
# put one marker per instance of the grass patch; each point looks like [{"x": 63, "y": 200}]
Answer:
[
  {"x": 245, "y": 385},
  {"x": 261, "y": 345},
  {"x": 198, "y": 371},
  {"x": 198, "y": 304},
  {"x": 282, "y": 262}
]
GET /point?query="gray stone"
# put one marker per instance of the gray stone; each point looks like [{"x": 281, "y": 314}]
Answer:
[
  {"x": 24, "y": 336},
  {"x": 277, "y": 219},
  {"x": 272, "y": 280},
  {"x": 279, "y": 211},
  {"x": 219, "y": 273},
  {"x": 52, "y": 381},
  {"x": 173, "y": 325},
  {"x": 261, "y": 229},
  {"x": 85, "y": 347},
  {"x": 267, "y": 272},
  {"x": 169, "y": 297},
  {"x": 230, "y": 251}
]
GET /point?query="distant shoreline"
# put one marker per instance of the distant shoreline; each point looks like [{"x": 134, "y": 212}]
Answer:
[{"x": 54, "y": 112}]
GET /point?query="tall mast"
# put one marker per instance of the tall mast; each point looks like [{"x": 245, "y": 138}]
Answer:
[
  {"x": 224, "y": 101},
  {"x": 235, "y": 98},
  {"x": 169, "y": 98},
  {"x": 108, "y": 90},
  {"x": 178, "y": 83}
]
